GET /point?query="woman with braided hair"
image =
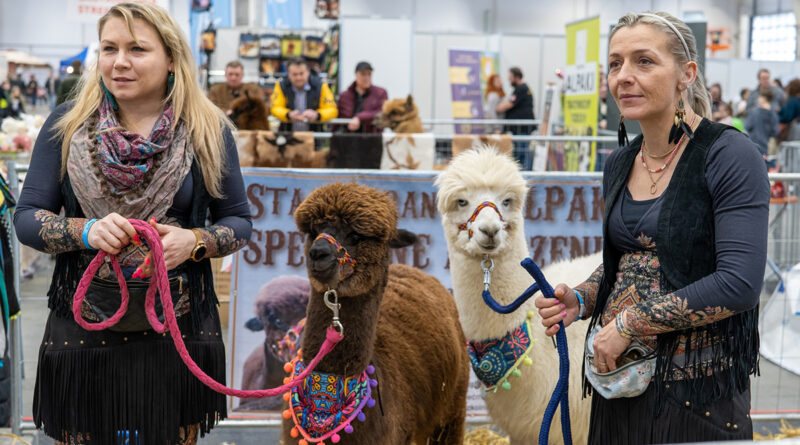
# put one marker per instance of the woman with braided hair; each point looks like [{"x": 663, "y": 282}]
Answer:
[{"x": 140, "y": 141}]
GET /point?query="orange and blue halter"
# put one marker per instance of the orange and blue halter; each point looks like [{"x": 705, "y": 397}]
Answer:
[
  {"x": 342, "y": 260},
  {"x": 481, "y": 206}
]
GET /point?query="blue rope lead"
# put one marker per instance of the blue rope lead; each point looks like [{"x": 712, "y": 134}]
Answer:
[{"x": 561, "y": 392}]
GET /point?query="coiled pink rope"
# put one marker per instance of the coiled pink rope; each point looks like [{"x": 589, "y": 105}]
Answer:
[{"x": 159, "y": 282}]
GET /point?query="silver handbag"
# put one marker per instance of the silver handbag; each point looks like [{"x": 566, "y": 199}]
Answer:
[{"x": 635, "y": 370}]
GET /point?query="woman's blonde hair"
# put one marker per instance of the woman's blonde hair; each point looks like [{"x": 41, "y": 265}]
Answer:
[
  {"x": 680, "y": 40},
  {"x": 203, "y": 120}
]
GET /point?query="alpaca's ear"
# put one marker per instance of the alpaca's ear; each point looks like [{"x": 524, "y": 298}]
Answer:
[
  {"x": 254, "y": 324},
  {"x": 409, "y": 102},
  {"x": 404, "y": 238},
  {"x": 247, "y": 94}
]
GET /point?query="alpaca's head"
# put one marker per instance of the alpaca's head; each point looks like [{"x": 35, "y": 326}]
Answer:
[
  {"x": 280, "y": 304},
  {"x": 363, "y": 221},
  {"x": 249, "y": 113},
  {"x": 480, "y": 199}
]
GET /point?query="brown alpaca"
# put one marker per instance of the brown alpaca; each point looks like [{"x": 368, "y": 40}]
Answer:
[
  {"x": 249, "y": 113},
  {"x": 401, "y": 116},
  {"x": 396, "y": 318},
  {"x": 287, "y": 149}
]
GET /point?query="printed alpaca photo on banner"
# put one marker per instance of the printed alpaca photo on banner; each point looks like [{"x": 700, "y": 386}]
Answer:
[{"x": 563, "y": 219}]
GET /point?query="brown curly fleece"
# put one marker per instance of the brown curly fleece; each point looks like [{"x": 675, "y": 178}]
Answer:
[{"x": 398, "y": 318}]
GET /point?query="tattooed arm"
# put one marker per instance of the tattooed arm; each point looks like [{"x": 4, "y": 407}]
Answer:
[
  {"x": 230, "y": 215},
  {"x": 588, "y": 290},
  {"x": 36, "y": 218},
  {"x": 737, "y": 180}
]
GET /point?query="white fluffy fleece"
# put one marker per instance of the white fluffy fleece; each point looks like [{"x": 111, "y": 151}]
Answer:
[{"x": 482, "y": 175}]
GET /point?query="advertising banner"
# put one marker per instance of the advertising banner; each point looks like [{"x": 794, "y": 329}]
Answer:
[
  {"x": 563, "y": 218},
  {"x": 581, "y": 92},
  {"x": 465, "y": 87}
]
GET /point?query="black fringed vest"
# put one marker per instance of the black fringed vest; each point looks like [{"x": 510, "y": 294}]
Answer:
[
  {"x": 686, "y": 252},
  {"x": 68, "y": 269}
]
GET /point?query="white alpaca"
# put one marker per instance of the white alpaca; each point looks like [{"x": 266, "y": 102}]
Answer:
[{"x": 474, "y": 177}]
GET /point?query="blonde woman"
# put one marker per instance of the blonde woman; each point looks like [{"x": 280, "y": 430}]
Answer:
[{"x": 140, "y": 141}]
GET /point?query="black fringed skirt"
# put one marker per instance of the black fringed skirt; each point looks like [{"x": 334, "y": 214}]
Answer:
[
  {"x": 96, "y": 384},
  {"x": 632, "y": 421}
]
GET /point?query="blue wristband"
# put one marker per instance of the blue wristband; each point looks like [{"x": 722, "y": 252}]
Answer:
[
  {"x": 86, "y": 228},
  {"x": 580, "y": 300}
]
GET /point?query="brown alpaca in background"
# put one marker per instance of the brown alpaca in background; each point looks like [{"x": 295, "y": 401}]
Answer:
[
  {"x": 284, "y": 149},
  {"x": 249, "y": 113},
  {"x": 397, "y": 318},
  {"x": 401, "y": 116}
]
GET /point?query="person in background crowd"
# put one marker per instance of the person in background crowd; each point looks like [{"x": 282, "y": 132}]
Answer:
[
  {"x": 32, "y": 90},
  {"x": 724, "y": 114},
  {"x": 740, "y": 109},
  {"x": 301, "y": 101},
  {"x": 67, "y": 86},
  {"x": 53, "y": 82},
  {"x": 716, "y": 98},
  {"x": 491, "y": 99},
  {"x": 684, "y": 251},
  {"x": 6, "y": 88},
  {"x": 519, "y": 105},
  {"x": 777, "y": 82},
  {"x": 16, "y": 102},
  {"x": 223, "y": 94},
  {"x": 362, "y": 101},
  {"x": 778, "y": 97},
  {"x": 762, "y": 121},
  {"x": 790, "y": 113},
  {"x": 141, "y": 141}
]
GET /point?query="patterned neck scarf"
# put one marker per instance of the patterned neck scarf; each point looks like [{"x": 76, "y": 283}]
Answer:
[
  {"x": 125, "y": 157},
  {"x": 116, "y": 170},
  {"x": 494, "y": 361}
]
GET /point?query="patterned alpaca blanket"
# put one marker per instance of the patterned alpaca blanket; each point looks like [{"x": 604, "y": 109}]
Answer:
[{"x": 408, "y": 151}]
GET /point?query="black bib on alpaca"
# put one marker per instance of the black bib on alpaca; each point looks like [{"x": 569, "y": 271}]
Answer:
[
  {"x": 69, "y": 268},
  {"x": 686, "y": 252}
]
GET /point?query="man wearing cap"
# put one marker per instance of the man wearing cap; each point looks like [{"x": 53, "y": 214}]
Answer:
[{"x": 362, "y": 101}]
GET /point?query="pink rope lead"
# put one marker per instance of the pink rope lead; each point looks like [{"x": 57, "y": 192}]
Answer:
[{"x": 159, "y": 282}]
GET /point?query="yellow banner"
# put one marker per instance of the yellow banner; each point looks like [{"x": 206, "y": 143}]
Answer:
[{"x": 581, "y": 93}]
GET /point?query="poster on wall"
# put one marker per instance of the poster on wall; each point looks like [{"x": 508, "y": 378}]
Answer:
[
  {"x": 465, "y": 88},
  {"x": 248, "y": 45},
  {"x": 563, "y": 218},
  {"x": 327, "y": 9},
  {"x": 581, "y": 93}
]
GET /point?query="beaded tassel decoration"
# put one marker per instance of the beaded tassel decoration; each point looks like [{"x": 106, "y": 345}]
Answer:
[{"x": 326, "y": 404}]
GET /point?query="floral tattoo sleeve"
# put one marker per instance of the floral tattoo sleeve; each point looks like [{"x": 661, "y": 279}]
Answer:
[
  {"x": 221, "y": 241},
  {"x": 668, "y": 313},
  {"x": 59, "y": 233},
  {"x": 588, "y": 290}
]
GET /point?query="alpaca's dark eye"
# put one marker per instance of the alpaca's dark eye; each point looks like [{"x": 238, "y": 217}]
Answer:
[
  {"x": 506, "y": 202},
  {"x": 462, "y": 202},
  {"x": 356, "y": 238}
]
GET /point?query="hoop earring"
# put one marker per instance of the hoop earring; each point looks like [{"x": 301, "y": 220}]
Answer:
[
  {"x": 170, "y": 82},
  {"x": 679, "y": 126},
  {"x": 622, "y": 134},
  {"x": 108, "y": 95}
]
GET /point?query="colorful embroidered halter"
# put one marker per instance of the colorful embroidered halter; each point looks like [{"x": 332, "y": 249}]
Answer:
[
  {"x": 325, "y": 404},
  {"x": 481, "y": 206},
  {"x": 344, "y": 259},
  {"x": 494, "y": 361}
]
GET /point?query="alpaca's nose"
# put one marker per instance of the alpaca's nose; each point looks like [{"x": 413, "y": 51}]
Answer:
[
  {"x": 320, "y": 252},
  {"x": 490, "y": 231}
]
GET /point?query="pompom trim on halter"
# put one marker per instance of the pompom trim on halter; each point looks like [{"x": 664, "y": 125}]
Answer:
[
  {"x": 325, "y": 404},
  {"x": 514, "y": 347},
  {"x": 465, "y": 225},
  {"x": 342, "y": 260}
]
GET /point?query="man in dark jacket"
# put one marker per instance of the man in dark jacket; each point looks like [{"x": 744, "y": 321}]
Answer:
[
  {"x": 519, "y": 105},
  {"x": 362, "y": 101},
  {"x": 68, "y": 84}
]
